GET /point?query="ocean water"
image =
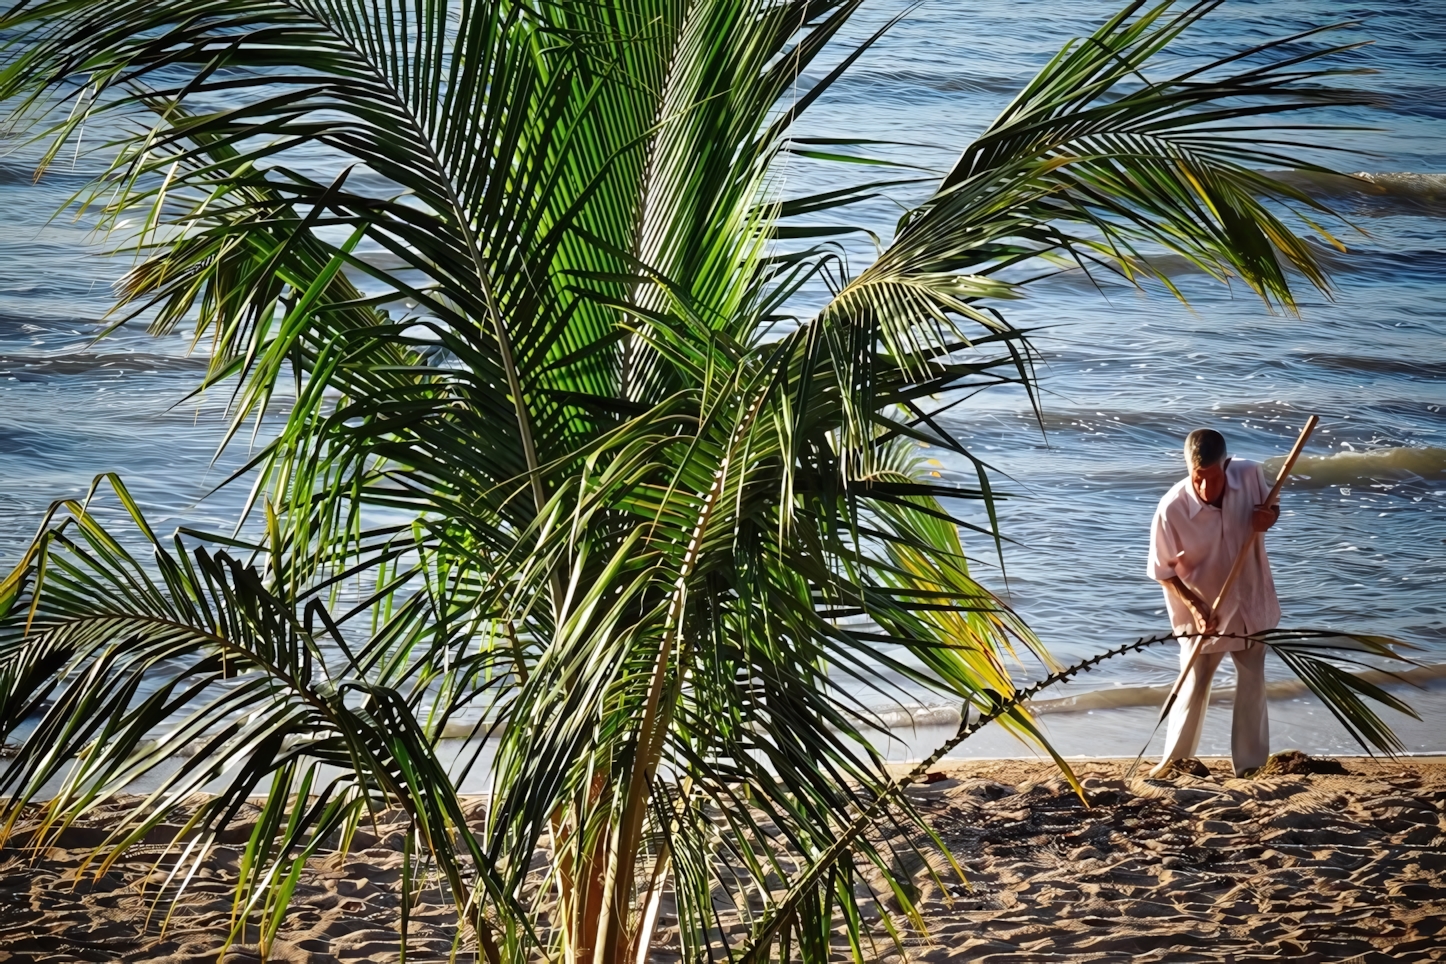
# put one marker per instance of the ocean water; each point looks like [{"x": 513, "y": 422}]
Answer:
[{"x": 1124, "y": 375}]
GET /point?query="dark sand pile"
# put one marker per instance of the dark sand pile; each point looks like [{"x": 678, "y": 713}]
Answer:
[{"x": 1300, "y": 866}]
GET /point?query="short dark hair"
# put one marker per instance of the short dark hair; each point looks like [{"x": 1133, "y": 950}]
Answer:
[{"x": 1204, "y": 447}]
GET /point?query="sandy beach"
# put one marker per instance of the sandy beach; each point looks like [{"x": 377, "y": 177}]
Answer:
[{"x": 1319, "y": 866}]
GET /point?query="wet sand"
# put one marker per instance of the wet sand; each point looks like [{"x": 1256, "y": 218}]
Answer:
[{"x": 1307, "y": 867}]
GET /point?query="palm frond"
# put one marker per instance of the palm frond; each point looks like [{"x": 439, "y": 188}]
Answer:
[
  {"x": 111, "y": 665},
  {"x": 1313, "y": 655}
]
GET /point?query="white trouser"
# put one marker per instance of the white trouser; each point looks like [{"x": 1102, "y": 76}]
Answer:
[{"x": 1249, "y": 728}]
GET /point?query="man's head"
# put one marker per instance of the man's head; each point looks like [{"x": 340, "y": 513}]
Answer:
[{"x": 1205, "y": 456}]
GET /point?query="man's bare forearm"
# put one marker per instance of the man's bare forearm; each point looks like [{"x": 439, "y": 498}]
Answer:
[{"x": 1199, "y": 608}]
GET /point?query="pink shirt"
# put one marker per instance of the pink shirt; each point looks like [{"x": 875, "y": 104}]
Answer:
[{"x": 1198, "y": 542}]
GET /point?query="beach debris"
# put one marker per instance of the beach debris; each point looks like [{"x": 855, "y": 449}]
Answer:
[{"x": 1294, "y": 761}]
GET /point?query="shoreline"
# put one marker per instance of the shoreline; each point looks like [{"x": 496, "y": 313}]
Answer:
[
  {"x": 1307, "y": 867},
  {"x": 1419, "y": 679}
]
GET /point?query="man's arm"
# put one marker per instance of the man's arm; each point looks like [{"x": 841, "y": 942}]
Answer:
[
  {"x": 1164, "y": 551},
  {"x": 1200, "y": 609}
]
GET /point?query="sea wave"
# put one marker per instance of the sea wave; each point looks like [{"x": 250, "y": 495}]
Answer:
[
  {"x": 1357, "y": 259},
  {"x": 1369, "y": 465},
  {"x": 1386, "y": 192},
  {"x": 98, "y": 363},
  {"x": 1411, "y": 366},
  {"x": 1123, "y": 697}
]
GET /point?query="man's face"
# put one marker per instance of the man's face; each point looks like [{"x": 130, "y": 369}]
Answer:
[{"x": 1209, "y": 481}]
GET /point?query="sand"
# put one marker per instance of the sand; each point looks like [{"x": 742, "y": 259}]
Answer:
[
  {"x": 1318, "y": 867},
  {"x": 1307, "y": 867}
]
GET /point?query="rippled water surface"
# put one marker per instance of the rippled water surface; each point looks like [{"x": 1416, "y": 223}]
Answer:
[{"x": 1125, "y": 374}]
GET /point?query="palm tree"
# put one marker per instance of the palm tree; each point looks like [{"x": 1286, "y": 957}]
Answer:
[{"x": 565, "y": 468}]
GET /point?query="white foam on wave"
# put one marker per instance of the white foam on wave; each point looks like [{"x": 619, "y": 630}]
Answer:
[
  {"x": 1426, "y": 190},
  {"x": 1407, "y": 183}
]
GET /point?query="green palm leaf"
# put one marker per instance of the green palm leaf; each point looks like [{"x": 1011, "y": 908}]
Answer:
[
  {"x": 118, "y": 664},
  {"x": 1313, "y": 656}
]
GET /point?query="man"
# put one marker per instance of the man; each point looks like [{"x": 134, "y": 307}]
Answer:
[{"x": 1199, "y": 527}]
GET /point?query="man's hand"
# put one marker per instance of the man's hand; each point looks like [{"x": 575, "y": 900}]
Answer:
[
  {"x": 1264, "y": 516},
  {"x": 1205, "y": 619}
]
